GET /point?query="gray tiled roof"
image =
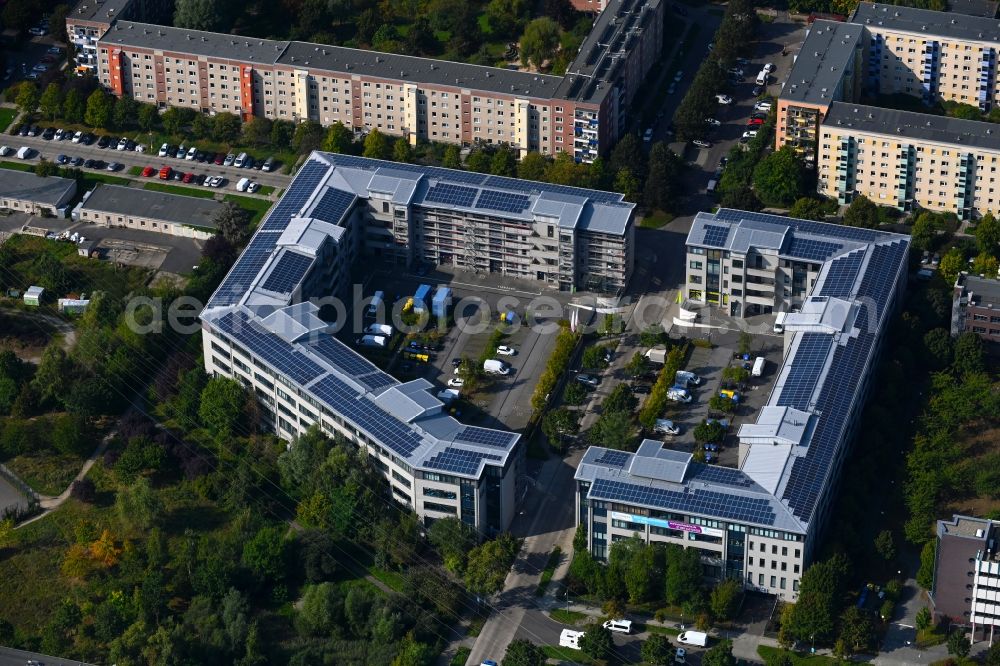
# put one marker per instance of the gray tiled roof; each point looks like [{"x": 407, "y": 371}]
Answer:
[
  {"x": 983, "y": 8},
  {"x": 102, "y": 11},
  {"x": 194, "y": 42},
  {"x": 176, "y": 208},
  {"x": 404, "y": 69},
  {"x": 820, "y": 64},
  {"x": 906, "y": 125},
  {"x": 26, "y": 186},
  {"x": 926, "y": 22}
]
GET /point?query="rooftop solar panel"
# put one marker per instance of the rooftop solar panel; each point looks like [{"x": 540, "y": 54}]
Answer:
[
  {"x": 842, "y": 274},
  {"x": 806, "y": 367},
  {"x": 613, "y": 458},
  {"x": 818, "y": 228},
  {"x": 715, "y": 474},
  {"x": 306, "y": 180},
  {"x": 452, "y": 195},
  {"x": 809, "y": 249},
  {"x": 459, "y": 461},
  {"x": 377, "y": 381},
  {"x": 332, "y": 205},
  {"x": 477, "y": 435},
  {"x": 342, "y": 357},
  {"x": 502, "y": 201},
  {"x": 269, "y": 348},
  {"x": 699, "y": 502},
  {"x": 716, "y": 235},
  {"x": 245, "y": 270},
  {"x": 287, "y": 273}
]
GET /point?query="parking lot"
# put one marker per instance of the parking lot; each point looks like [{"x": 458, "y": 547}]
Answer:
[
  {"x": 22, "y": 57},
  {"x": 503, "y": 401}
]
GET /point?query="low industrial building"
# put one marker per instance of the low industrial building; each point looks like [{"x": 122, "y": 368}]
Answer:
[
  {"x": 966, "y": 588},
  {"x": 37, "y": 195},
  {"x": 760, "y": 523},
  {"x": 976, "y": 307},
  {"x": 146, "y": 210}
]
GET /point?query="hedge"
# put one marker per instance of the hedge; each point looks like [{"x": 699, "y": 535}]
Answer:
[
  {"x": 559, "y": 359},
  {"x": 656, "y": 403}
]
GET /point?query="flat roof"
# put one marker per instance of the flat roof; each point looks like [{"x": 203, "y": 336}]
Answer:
[
  {"x": 911, "y": 126},
  {"x": 926, "y": 22},
  {"x": 193, "y": 42},
  {"x": 966, "y": 527},
  {"x": 100, "y": 11},
  {"x": 26, "y": 186},
  {"x": 175, "y": 208},
  {"x": 821, "y": 62},
  {"x": 422, "y": 71},
  {"x": 983, "y": 290},
  {"x": 606, "y": 48},
  {"x": 982, "y": 8}
]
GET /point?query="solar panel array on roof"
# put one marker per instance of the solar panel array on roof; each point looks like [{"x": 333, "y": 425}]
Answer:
[
  {"x": 298, "y": 193},
  {"x": 811, "y": 250},
  {"x": 477, "y": 435},
  {"x": 613, "y": 458},
  {"x": 271, "y": 349},
  {"x": 715, "y": 474},
  {"x": 808, "y": 226},
  {"x": 453, "y": 195},
  {"x": 332, "y": 205},
  {"x": 705, "y": 502},
  {"x": 810, "y": 359},
  {"x": 351, "y": 364},
  {"x": 287, "y": 273},
  {"x": 842, "y": 274},
  {"x": 459, "y": 461},
  {"x": 365, "y": 415},
  {"x": 716, "y": 235},
  {"x": 502, "y": 201},
  {"x": 244, "y": 271}
]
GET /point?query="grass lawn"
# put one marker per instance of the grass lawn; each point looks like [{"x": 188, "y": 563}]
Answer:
[
  {"x": 256, "y": 206},
  {"x": 179, "y": 189},
  {"x": 656, "y": 220},
  {"x": 550, "y": 568},
  {"x": 48, "y": 473},
  {"x": 797, "y": 658},
  {"x": 931, "y": 636},
  {"x": 567, "y": 655},
  {"x": 391, "y": 578},
  {"x": 461, "y": 656},
  {"x": 266, "y": 189},
  {"x": 135, "y": 171},
  {"x": 16, "y": 166},
  {"x": 567, "y": 616},
  {"x": 91, "y": 179},
  {"x": 6, "y": 118},
  {"x": 657, "y": 629}
]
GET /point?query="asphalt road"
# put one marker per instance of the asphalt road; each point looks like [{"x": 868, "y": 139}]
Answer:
[
  {"x": 49, "y": 150},
  {"x": 12, "y": 657}
]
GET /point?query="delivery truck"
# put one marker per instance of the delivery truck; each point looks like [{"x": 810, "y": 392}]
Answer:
[
  {"x": 495, "y": 367},
  {"x": 657, "y": 355},
  {"x": 699, "y": 638}
]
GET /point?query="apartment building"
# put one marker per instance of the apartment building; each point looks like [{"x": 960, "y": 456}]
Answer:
[
  {"x": 760, "y": 523},
  {"x": 262, "y": 328},
  {"x": 976, "y": 307},
  {"x": 88, "y": 21},
  {"x": 827, "y": 69},
  {"x": 909, "y": 160},
  {"x": 132, "y": 208},
  {"x": 417, "y": 98},
  {"x": 966, "y": 588}
]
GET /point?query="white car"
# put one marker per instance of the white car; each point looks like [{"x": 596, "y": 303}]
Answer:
[
  {"x": 769, "y": 67},
  {"x": 749, "y": 134},
  {"x": 164, "y": 149},
  {"x": 215, "y": 181},
  {"x": 253, "y": 187},
  {"x": 61, "y": 134},
  {"x": 504, "y": 350},
  {"x": 456, "y": 382},
  {"x": 678, "y": 395},
  {"x": 5, "y": 151},
  {"x": 76, "y": 137},
  {"x": 647, "y": 136},
  {"x": 678, "y": 76},
  {"x": 724, "y": 99},
  {"x": 713, "y": 122},
  {"x": 122, "y": 143},
  {"x": 192, "y": 151},
  {"x": 701, "y": 143},
  {"x": 140, "y": 148},
  {"x": 762, "y": 106}
]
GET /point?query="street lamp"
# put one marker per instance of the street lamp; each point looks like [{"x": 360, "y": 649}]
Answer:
[{"x": 812, "y": 649}]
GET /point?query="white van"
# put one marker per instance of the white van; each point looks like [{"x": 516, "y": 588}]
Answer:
[
  {"x": 712, "y": 184},
  {"x": 758, "y": 366},
  {"x": 621, "y": 626},
  {"x": 779, "y": 322},
  {"x": 242, "y": 184},
  {"x": 376, "y": 301},
  {"x": 24, "y": 153},
  {"x": 762, "y": 77},
  {"x": 241, "y": 159},
  {"x": 570, "y": 639}
]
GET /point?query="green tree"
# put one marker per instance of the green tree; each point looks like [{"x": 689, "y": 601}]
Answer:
[
  {"x": 73, "y": 106},
  {"x": 593, "y": 357},
  {"x": 523, "y": 653},
  {"x": 338, "y": 139},
  {"x": 123, "y": 112},
  {"x": 970, "y": 356},
  {"x": 628, "y": 154},
  {"x": 307, "y": 137},
  {"x": 226, "y": 127},
  {"x": 479, "y": 160},
  {"x": 257, "y": 131},
  {"x": 453, "y": 539},
  {"x": 627, "y": 184},
  {"x": 885, "y": 546},
  {"x": 662, "y": 180},
  {"x": 452, "y": 158},
  {"x": 377, "y": 146},
  {"x": 199, "y": 14},
  {"x": 652, "y": 336},
  {"x": 683, "y": 574},
  {"x": 45, "y": 168},
  {"x": 532, "y": 166},
  {"x": 597, "y": 642},
  {"x": 402, "y": 151},
  {"x": 99, "y": 106},
  {"x": 923, "y": 619},
  {"x": 988, "y": 235},
  {"x": 807, "y": 208},
  {"x": 505, "y": 17},
  {"x": 707, "y": 431},
  {"x": 656, "y": 650},
  {"x": 222, "y": 408},
  {"x": 51, "y": 101},
  {"x": 813, "y": 615},
  {"x": 958, "y": 644},
  {"x": 319, "y": 611},
  {"x": 985, "y": 265},
  {"x": 539, "y": 41},
  {"x": 148, "y": 117},
  {"x": 232, "y": 222},
  {"x": 725, "y": 598},
  {"x": 138, "y": 505},
  {"x": 26, "y": 100},
  {"x": 992, "y": 657},
  {"x": 862, "y": 213},
  {"x": 264, "y": 554},
  {"x": 856, "y": 630},
  {"x": 720, "y": 654},
  {"x": 282, "y": 133},
  {"x": 951, "y": 264},
  {"x": 174, "y": 119},
  {"x": 637, "y": 366},
  {"x": 504, "y": 163},
  {"x": 559, "y": 423},
  {"x": 779, "y": 178},
  {"x": 613, "y": 430},
  {"x": 488, "y": 564}
]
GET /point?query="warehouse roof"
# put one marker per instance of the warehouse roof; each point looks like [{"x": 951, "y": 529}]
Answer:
[
  {"x": 820, "y": 64},
  {"x": 102, "y": 11},
  {"x": 29, "y": 187},
  {"x": 926, "y": 22},
  {"x": 175, "y": 208},
  {"x": 910, "y": 126},
  {"x": 194, "y": 42}
]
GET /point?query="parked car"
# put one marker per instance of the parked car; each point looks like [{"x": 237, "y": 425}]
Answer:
[
  {"x": 755, "y": 122},
  {"x": 201, "y": 178},
  {"x": 115, "y": 166},
  {"x": 723, "y": 99},
  {"x": 49, "y": 133},
  {"x": 588, "y": 380},
  {"x": 713, "y": 122},
  {"x": 701, "y": 143},
  {"x": 60, "y": 134},
  {"x": 749, "y": 134},
  {"x": 769, "y": 68},
  {"x": 87, "y": 138},
  {"x": 757, "y": 90},
  {"x": 180, "y": 152},
  {"x": 762, "y": 106},
  {"x": 228, "y": 161},
  {"x": 192, "y": 151},
  {"x": 77, "y": 137},
  {"x": 34, "y": 130},
  {"x": 504, "y": 350},
  {"x": 640, "y": 389},
  {"x": 253, "y": 187},
  {"x": 647, "y": 136},
  {"x": 188, "y": 177},
  {"x": 269, "y": 164},
  {"x": 219, "y": 159},
  {"x": 678, "y": 76},
  {"x": 76, "y": 161},
  {"x": 736, "y": 71},
  {"x": 216, "y": 181},
  {"x": 199, "y": 156},
  {"x": 165, "y": 172},
  {"x": 164, "y": 149},
  {"x": 104, "y": 142},
  {"x": 456, "y": 382},
  {"x": 60, "y": 159},
  {"x": 148, "y": 171}
]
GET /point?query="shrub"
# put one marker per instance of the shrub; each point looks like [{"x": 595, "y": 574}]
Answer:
[
  {"x": 554, "y": 369},
  {"x": 83, "y": 490}
]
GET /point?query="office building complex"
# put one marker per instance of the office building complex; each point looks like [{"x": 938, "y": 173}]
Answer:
[
  {"x": 581, "y": 113},
  {"x": 966, "y": 588},
  {"x": 760, "y": 523},
  {"x": 976, "y": 307}
]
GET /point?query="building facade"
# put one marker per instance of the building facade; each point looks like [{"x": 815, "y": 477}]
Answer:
[
  {"x": 581, "y": 113},
  {"x": 37, "y": 195},
  {"x": 130, "y": 208},
  {"x": 966, "y": 588},
  {"x": 976, "y": 307},
  {"x": 760, "y": 523}
]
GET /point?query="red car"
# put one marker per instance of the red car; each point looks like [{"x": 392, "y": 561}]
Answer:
[
  {"x": 165, "y": 173},
  {"x": 148, "y": 171},
  {"x": 220, "y": 158},
  {"x": 754, "y": 122},
  {"x": 188, "y": 177}
]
